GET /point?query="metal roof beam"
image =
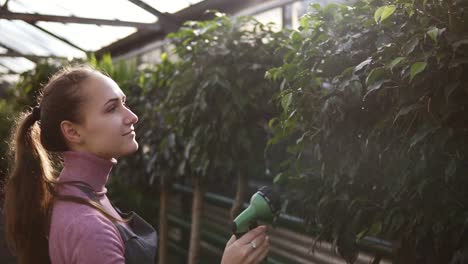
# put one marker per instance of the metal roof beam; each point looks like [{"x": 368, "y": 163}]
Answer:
[
  {"x": 58, "y": 37},
  {"x": 9, "y": 72},
  {"x": 165, "y": 18},
  {"x": 4, "y": 46},
  {"x": 73, "y": 19},
  {"x": 53, "y": 35},
  {"x": 30, "y": 57},
  {"x": 148, "y": 8},
  {"x": 13, "y": 53},
  {"x": 5, "y": 6},
  {"x": 9, "y": 69}
]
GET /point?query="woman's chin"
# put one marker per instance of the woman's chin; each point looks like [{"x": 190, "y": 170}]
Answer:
[
  {"x": 133, "y": 148},
  {"x": 130, "y": 149}
]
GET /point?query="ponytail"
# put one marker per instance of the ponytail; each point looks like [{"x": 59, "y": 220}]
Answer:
[{"x": 28, "y": 195}]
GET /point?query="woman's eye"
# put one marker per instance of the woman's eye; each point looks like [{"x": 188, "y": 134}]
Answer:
[{"x": 113, "y": 108}]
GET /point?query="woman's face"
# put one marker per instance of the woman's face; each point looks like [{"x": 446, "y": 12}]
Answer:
[{"x": 107, "y": 128}]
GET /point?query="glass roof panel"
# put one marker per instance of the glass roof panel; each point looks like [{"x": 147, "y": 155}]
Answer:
[
  {"x": 24, "y": 38},
  {"x": 102, "y": 9},
  {"x": 3, "y": 69},
  {"x": 9, "y": 78},
  {"x": 274, "y": 16},
  {"x": 88, "y": 37},
  {"x": 18, "y": 65},
  {"x": 171, "y": 6}
]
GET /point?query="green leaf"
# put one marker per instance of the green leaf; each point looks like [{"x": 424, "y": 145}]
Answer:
[
  {"x": 417, "y": 68},
  {"x": 374, "y": 80},
  {"x": 456, "y": 45},
  {"x": 361, "y": 234},
  {"x": 375, "y": 75},
  {"x": 395, "y": 62},
  {"x": 434, "y": 33},
  {"x": 409, "y": 7},
  {"x": 278, "y": 178},
  {"x": 361, "y": 65},
  {"x": 286, "y": 101},
  {"x": 383, "y": 13},
  {"x": 457, "y": 62},
  {"x": 374, "y": 87},
  {"x": 388, "y": 11},
  {"x": 449, "y": 89},
  {"x": 421, "y": 135},
  {"x": 411, "y": 45},
  {"x": 299, "y": 140},
  {"x": 272, "y": 122},
  {"x": 378, "y": 14},
  {"x": 376, "y": 228},
  {"x": 296, "y": 36},
  {"x": 408, "y": 109}
]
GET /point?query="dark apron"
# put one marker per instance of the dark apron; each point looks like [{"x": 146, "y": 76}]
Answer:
[{"x": 140, "y": 240}]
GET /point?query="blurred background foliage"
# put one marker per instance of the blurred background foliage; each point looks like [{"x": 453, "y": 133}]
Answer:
[{"x": 375, "y": 98}]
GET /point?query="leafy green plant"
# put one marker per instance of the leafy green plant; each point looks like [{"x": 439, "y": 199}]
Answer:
[
  {"x": 219, "y": 103},
  {"x": 374, "y": 113},
  {"x": 6, "y": 122}
]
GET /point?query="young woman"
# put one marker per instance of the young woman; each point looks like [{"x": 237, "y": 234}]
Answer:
[{"x": 82, "y": 117}]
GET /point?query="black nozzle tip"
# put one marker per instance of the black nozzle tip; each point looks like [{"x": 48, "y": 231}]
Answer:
[{"x": 272, "y": 196}]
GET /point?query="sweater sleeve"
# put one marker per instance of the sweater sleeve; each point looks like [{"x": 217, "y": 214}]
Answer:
[{"x": 96, "y": 240}]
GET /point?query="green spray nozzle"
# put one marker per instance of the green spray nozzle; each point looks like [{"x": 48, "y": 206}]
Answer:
[{"x": 264, "y": 205}]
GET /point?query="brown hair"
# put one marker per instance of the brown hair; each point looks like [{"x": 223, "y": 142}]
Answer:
[{"x": 31, "y": 185}]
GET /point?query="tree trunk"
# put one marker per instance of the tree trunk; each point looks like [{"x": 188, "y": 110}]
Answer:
[
  {"x": 197, "y": 208},
  {"x": 240, "y": 195},
  {"x": 163, "y": 227},
  {"x": 186, "y": 201}
]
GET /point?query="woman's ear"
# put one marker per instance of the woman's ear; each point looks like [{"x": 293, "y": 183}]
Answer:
[{"x": 70, "y": 132}]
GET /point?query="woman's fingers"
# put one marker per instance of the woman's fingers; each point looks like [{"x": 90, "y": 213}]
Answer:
[
  {"x": 252, "y": 234},
  {"x": 257, "y": 241},
  {"x": 259, "y": 253},
  {"x": 232, "y": 240},
  {"x": 251, "y": 248}
]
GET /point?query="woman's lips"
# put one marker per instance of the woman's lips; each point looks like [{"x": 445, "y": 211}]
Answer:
[{"x": 132, "y": 132}]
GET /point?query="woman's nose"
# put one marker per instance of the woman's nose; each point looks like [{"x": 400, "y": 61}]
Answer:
[{"x": 131, "y": 118}]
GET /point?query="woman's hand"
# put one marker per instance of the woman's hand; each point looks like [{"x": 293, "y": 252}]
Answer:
[{"x": 251, "y": 248}]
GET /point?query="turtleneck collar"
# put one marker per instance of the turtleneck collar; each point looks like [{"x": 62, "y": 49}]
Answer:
[{"x": 86, "y": 167}]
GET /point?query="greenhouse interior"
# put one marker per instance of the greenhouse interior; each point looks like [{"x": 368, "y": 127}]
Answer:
[{"x": 247, "y": 131}]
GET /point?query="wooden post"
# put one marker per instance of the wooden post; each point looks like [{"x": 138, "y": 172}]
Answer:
[
  {"x": 163, "y": 226},
  {"x": 197, "y": 209}
]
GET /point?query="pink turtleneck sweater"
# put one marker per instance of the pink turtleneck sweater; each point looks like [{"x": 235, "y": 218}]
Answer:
[{"x": 80, "y": 234}]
